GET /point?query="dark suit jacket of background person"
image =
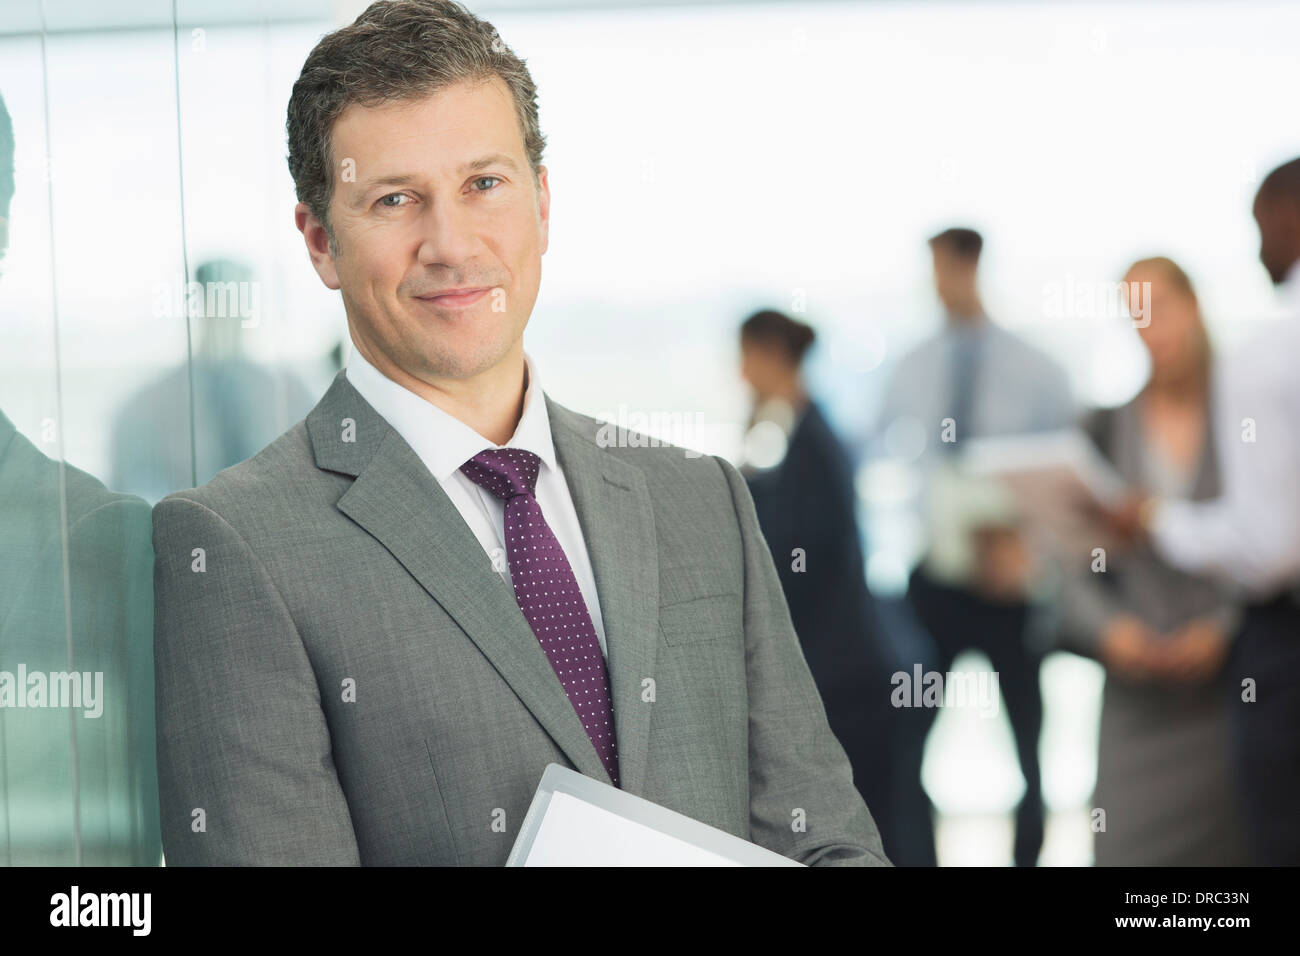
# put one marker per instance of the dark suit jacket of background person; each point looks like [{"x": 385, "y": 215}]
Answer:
[
  {"x": 101, "y": 621},
  {"x": 334, "y": 559},
  {"x": 808, "y": 501}
]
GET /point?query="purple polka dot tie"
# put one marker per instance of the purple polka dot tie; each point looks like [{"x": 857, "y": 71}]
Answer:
[{"x": 548, "y": 593}]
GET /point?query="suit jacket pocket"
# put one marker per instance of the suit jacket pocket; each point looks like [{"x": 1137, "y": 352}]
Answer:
[
  {"x": 440, "y": 805},
  {"x": 705, "y": 618}
]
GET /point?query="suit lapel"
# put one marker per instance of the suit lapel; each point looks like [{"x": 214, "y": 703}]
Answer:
[
  {"x": 613, "y": 506},
  {"x": 396, "y": 500}
]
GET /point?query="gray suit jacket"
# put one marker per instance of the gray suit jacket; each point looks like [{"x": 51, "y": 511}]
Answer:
[{"x": 343, "y": 678}]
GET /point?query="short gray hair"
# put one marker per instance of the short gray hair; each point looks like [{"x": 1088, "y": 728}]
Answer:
[{"x": 396, "y": 50}]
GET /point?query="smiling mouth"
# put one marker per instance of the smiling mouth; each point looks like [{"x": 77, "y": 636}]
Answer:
[{"x": 455, "y": 300}]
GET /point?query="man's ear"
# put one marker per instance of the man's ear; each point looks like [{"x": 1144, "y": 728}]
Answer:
[
  {"x": 318, "y": 244},
  {"x": 543, "y": 208}
]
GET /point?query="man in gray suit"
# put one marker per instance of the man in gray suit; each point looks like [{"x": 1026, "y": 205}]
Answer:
[{"x": 373, "y": 636}]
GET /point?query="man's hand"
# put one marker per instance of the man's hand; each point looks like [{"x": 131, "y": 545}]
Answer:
[
  {"x": 1003, "y": 563},
  {"x": 1130, "y": 520}
]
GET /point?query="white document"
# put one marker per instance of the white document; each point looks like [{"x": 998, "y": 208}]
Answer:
[
  {"x": 575, "y": 820},
  {"x": 1067, "y": 456},
  {"x": 1057, "y": 479}
]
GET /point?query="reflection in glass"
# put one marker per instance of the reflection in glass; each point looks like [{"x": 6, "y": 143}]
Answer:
[{"x": 77, "y": 755}]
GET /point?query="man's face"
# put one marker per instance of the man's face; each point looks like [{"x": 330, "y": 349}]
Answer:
[
  {"x": 1279, "y": 234},
  {"x": 953, "y": 277},
  {"x": 430, "y": 195}
]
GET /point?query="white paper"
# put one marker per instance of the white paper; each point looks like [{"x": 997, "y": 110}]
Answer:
[
  {"x": 1058, "y": 481},
  {"x": 1064, "y": 459},
  {"x": 576, "y": 820},
  {"x": 577, "y": 833}
]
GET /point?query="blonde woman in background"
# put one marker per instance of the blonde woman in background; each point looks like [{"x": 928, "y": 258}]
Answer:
[{"x": 1163, "y": 775}]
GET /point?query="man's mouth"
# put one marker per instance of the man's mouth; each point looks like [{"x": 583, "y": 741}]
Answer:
[{"x": 455, "y": 298}]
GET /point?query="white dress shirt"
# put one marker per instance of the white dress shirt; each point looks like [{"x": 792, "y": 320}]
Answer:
[
  {"x": 1251, "y": 534},
  {"x": 444, "y": 443}
]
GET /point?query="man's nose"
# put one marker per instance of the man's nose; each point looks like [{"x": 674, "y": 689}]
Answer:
[{"x": 449, "y": 233}]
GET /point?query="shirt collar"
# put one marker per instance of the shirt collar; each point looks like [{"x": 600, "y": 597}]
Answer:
[{"x": 442, "y": 441}]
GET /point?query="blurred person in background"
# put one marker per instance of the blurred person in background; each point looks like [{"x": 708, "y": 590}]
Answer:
[
  {"x": 806, "y": 507},
  {"x": 972, "y": 379},
  {"x": 1250, "y": 535},
  {"x": 1163, "y": 775},
  {"x": 230, "y": 405}
]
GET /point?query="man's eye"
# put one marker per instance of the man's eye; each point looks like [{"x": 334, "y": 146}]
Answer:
[
  {"x": 482, "y": 179},
  {"x": 384, "y": 201}
]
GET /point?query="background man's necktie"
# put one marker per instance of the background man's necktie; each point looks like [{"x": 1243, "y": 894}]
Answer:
[
  {"x": 963, "y": 377},
  {"x": 548, "y": 593}
]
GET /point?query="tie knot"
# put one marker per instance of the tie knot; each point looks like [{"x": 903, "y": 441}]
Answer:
[{"x": 506, "y": 472}]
